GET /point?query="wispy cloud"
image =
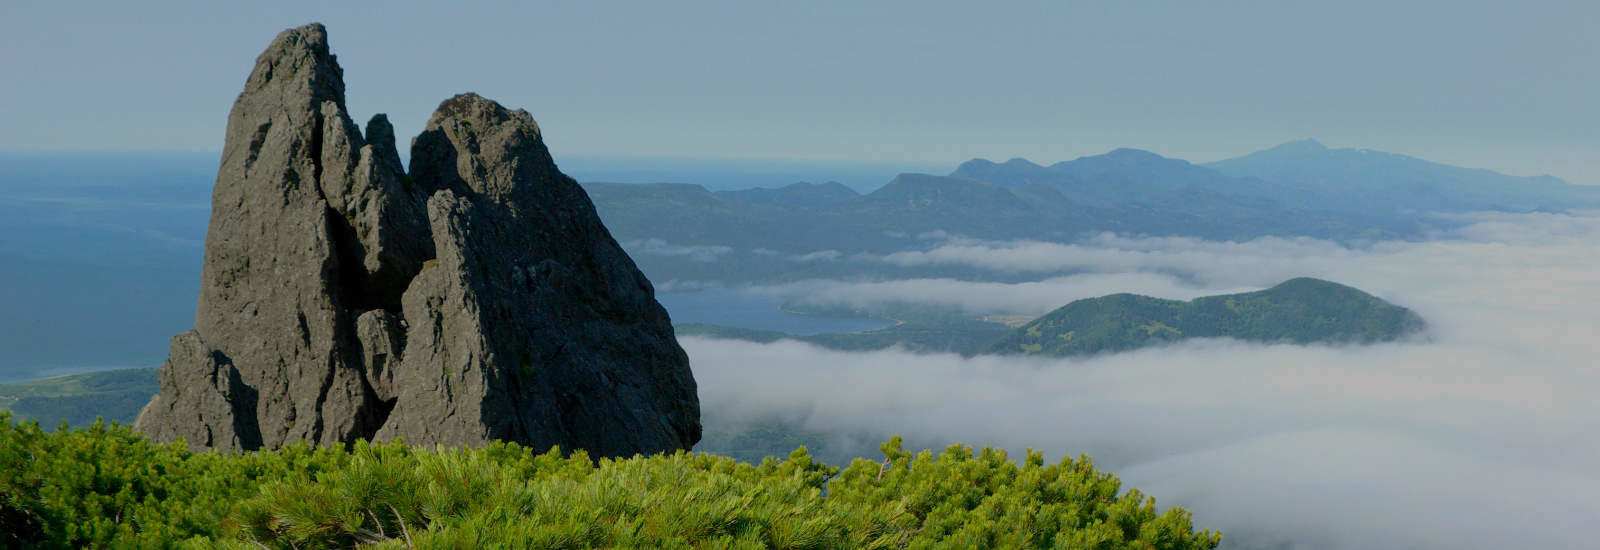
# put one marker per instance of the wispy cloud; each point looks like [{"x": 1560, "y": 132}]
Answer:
[
  {"x": 1216, "y": 261},
  {"x": 658, "y": 247},
  {"x": 1184, "y": 268},
  {"x": 818, "y": 256}
]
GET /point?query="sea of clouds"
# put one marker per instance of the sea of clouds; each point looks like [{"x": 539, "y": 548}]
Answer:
[{"x": 1484, "y": 433}]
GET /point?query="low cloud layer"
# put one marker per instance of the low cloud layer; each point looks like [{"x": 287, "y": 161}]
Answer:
[
  {"x": 658, "y": 247},
  {"x": 1185, "y": 268},
  {"x": 1484, "y": 435}
]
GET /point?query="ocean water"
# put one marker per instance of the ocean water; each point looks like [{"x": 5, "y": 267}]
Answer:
[{"x": 100, "y": 261}]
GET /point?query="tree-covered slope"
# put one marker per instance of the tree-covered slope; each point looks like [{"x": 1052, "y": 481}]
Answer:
[
  {"x": 106, "y": 487},
  {"x": 79, "y": 399},
  {"x": 1302, "y": 310}
]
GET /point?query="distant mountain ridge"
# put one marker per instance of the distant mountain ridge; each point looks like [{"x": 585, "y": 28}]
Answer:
[
  {"x": 1174, "y": 198},
  {"x": 1309, "y": 159},
  {"x": 1122, "y": 175},
  {"x": 803, "y": 194},
  {"x": 1299, "y": 189},
  {"x": 1300, "y": 311},
  {"x": 1305, "y": 174},
  {"x": 1345, "y": 178},
  {"x": 1296, "y": 189}
]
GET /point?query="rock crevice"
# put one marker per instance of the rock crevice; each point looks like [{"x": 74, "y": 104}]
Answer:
[{"x": 475, "y": 296}]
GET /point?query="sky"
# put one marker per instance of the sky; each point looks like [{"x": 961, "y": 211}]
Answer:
[
  {"x": 1499, "y": 85},
  {"x": 1480, "y": 433}
]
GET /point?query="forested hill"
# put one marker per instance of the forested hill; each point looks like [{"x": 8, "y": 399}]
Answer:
[
  {"x": 1298, "y": 311},
  {"x": 78, "y": 399}
]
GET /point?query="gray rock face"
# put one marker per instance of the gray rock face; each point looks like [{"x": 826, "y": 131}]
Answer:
[
  {"x": 477, "y": 298},
  {"x": 558, "y": 341},
  {"x": 206, "y": 400}
]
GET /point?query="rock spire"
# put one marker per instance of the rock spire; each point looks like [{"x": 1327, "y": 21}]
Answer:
[{"x": 476, "y": 297}]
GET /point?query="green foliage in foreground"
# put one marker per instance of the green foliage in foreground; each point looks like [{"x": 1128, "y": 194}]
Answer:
[
  {"x": 1299, "y": 311},
  {"x": 108, "y": 487},
  {"x": 757, "y": 440}
]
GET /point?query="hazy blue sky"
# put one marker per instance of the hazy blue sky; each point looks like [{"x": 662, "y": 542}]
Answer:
[{"x": 1512, "y": 86}]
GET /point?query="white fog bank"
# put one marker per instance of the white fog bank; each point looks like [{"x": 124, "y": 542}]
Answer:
[{"x": 1485, "y": 434}]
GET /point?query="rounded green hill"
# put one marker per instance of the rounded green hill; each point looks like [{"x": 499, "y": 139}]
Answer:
[{"x": 1301, "y": 311}]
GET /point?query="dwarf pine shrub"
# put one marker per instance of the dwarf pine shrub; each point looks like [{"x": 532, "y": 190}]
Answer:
[{"x": 108, "y": 487}]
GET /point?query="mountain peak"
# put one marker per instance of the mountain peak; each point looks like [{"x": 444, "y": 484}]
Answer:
[
  {"x": 1307, "y": 145},
  {"x": 1009, "y": 172},
  {"x": 297, "y": 69},
  {"x": 975, "y": 166},
  {"x": 1308, "y": 283},
  {"x": 1131, "y": 153},
  {"x": 1020, "y": 162},
  {"x": 1120, "y": 157}
]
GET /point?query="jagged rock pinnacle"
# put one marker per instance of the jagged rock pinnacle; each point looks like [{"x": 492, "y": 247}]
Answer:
[{"x": 477, "y": 298}]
